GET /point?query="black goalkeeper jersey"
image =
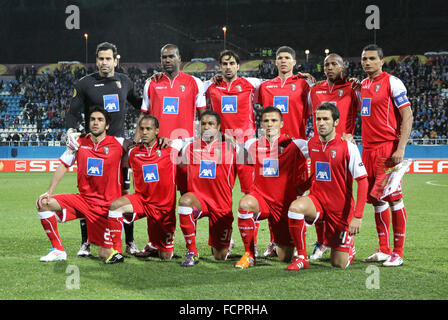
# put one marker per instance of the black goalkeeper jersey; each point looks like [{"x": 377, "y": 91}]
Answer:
[{"x": 111, "y": 93}]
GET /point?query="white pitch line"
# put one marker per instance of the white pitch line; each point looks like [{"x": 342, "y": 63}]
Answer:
[{"x": 436, "y": 184}]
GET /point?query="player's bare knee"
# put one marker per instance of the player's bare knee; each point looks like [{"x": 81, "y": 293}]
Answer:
[
  {"x": 165, "y": 255},
  {"x": 186, "y": 200},
  {"x": 298, "y": 206},
  {"x": 247, "y": 204}
]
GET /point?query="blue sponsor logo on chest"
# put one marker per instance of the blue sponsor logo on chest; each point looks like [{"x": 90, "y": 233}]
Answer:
[
  {"x": 170, "y": 105},
  {"x": 323, "y": 171},
  {"x": 95, "y": 166},
  {"x": 150, "y": 173},
  {"x": 365, "y": 107},
  {"x": 229, "y": 104},
  {"x": 207, "y": 169},
  {"x": 111, "y": 102},
  {"x": 282, "y": 103},
  {"x": 270, "y": 168}
]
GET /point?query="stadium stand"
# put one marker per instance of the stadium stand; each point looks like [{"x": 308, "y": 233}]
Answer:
[{"x": 33, "y": 105}]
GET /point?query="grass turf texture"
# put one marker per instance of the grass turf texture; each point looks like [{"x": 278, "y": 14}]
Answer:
[{"x": 423, "y": 276}]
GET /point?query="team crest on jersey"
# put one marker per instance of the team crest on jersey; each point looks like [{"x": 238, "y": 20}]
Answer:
[
  {"x": 118, "y": 83},
  {"x": 365, "y": 107},
  {"x": 282, "y": 103},
  {"x": 182, "y": 87},
  {"x": 106, "y": 149},
  {"x": 170, "y": 105},
  {"x": 238, "y": 87},
  {"x": 377, "y": 87},
  {"x": 293, "y": 87},
  {"x": 270, "y": 168},
  {"x": 111, "y": 103},
  {"x": 323, "y": 171},
  {"x": 333, "y": 153},
  {"x": 340, "y": 92},
  {"x": 159, "y": 153},
  {"x": 95, "y": 167},
  {"x": 207, "y": 169},
  {"x": 150, "y": 173},
  {"x": 229, "y": 104}
]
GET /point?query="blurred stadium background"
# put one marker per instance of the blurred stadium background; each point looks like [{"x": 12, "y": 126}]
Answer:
[{"x": 41, "y": 58}]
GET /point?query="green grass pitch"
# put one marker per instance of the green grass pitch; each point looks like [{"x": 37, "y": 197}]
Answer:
[{"x": 424, "y": 275}]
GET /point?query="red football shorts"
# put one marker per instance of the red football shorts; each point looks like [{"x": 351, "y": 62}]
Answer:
[
  {"x": 246, "y": 176},
  {"x": 370, "y": 157},
  {"x": 74, "y": 206},
  {"x": 336, "y": 235},
  {"x": 182, "y": 179},
  {"x": 219, "y": 224},
  {"x": 161, "y": 223},
  {"x": 278, "y": 219}
]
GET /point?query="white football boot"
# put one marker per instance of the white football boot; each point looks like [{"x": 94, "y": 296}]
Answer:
[{"x": 54, "y": 255}]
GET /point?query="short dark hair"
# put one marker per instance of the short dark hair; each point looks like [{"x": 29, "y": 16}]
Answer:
[
  {"x": 374, "y": 47},
  {"x": 170, "y": 46},
  {"x": 229, "y": 53},
  {"x": 103, "y": 46},
  {"x": 210, "y": 112},
  {"x": 149, "y": 116},
  {"x": 330, "y": 107},
  {"x": 286, "y": 49},
  {"x": 100, "y": 109},
  {"x": 271, "y": 109}
]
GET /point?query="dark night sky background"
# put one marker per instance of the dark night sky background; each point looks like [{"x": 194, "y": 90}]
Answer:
[{"x": 34, "y": 31}]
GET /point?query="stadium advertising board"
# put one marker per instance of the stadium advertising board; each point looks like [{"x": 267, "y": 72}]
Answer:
[{"x": 50, "y": 165}]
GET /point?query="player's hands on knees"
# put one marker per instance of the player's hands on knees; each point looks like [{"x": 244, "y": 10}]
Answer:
[
  {"x": 155, "y": 77},
  {"x": 355, "y": 226},
  {"x": 72, "y": 137},
  {"x": 43, "y": 200}
]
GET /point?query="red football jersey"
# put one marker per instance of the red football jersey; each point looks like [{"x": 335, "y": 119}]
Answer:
[
  {"x": 154, "y": 172},
  {"x": 211, "y": 172},
  {"x": 234, "y": 104},
  {"x": 334, "y": 165},
  {"x": 275, "y": 168},
  {"x": 291, "y": 97},
  {"x": 99, "y": 168},
  {"x": 382, "y": 98},
  {"x": 174, "y": 103},
  {"x": 341, "y": 94}
]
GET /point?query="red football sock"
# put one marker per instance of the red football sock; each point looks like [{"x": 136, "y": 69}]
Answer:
[
  {"x": 257, "y": 227},
  {"x": 50, "y": 224},
  {"x": 382, "y": 221},
  {"x": 297, "y": 230},
  {"x": 399, "y": 219},
  {"x": 246, "y": 225},
  {"x": 115, "y": 225},
  {"x": 319, "y": 224},
  {"x": 188, "y": 227}
]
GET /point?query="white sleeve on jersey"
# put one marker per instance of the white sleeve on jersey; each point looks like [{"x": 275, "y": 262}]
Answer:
[
  {"x": 200, "y": 97},
  {"x": 120, "y": 140},
  {"x": 356, "y": 166},
  {"x": 303, "y": 147},
  {"x": 146, "y": 101},
  {"x": 68, "y": 158},
  {"x": 207, "y": 84},
  {"x": 178, "y": 144},
  {"x": 248, "y": 143},
  {"x": 399, "y": 92}
]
